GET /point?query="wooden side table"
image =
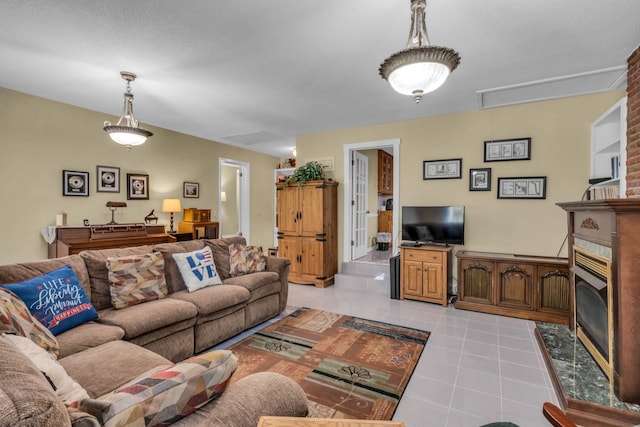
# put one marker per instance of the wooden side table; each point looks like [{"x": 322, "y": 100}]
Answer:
[{"x": 323, "y": 422}]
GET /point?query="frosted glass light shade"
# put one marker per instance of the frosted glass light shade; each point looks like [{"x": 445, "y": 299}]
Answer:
[
  {"x": 421, "y": 76},
  {"x": 127, "y": 136},
  {"x": 419, "y": 70}
]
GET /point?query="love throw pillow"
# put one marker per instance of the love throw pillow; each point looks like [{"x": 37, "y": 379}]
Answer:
[
  {"x": 56, "y": 299},
  {"x": 197, "y": 269}
]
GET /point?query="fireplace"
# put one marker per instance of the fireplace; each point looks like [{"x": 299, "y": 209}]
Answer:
[
  {"x": 604, "y": 258},
  {"x": 593, "y": 306}
]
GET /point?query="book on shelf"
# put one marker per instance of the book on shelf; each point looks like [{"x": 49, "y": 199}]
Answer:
[{"x": 604, "y": 192}]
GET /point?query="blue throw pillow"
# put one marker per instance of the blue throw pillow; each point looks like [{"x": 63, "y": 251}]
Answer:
[{"x": 56, "y": 299}]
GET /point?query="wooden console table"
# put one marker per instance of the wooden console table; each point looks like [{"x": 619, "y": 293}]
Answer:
[
  {"x": 528, "y": 287},
  {"x": 269, "y": 421},
  {"x": 72, "y": 240}
]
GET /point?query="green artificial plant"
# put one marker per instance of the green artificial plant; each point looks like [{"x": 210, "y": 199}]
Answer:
[{"x": 310, "y": 171}]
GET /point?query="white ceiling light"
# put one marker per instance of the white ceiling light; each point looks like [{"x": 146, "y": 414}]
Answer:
[
  {"x": 420, "y": 68},
  {"x": 126, "y": 131}
]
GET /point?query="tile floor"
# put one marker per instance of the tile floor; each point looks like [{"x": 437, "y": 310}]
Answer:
[{"x": 476, "y": 368}]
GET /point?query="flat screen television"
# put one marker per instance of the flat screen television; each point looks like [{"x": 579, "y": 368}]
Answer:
[{"x": 433, "y": 224}]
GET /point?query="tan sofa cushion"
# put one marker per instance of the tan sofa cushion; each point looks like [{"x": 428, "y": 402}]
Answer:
[
  {"x": 87, "y": 335},
  {"x": 102, "y": 369},
  {"x": 214, "y": 298},
  {"x": 96, "y": 264},
  {"x": 151, "y": 316}
]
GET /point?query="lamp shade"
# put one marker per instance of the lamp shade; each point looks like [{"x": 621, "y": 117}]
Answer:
[{"x": 171, "y": 205}]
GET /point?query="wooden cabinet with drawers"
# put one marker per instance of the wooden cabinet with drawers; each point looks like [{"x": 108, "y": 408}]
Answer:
[
  {"x": 307, "y": 217},
  {"x": 528, "y": 287},
  {"x": 425, "y": 272}
]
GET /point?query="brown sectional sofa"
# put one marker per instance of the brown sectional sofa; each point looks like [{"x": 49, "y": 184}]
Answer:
[{"x": 125, "y": 343}]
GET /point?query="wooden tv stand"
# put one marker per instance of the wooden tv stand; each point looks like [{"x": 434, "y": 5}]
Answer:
[{"x": 425, "y": 271}]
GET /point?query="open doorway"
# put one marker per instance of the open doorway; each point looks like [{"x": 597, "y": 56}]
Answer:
[
  {"x": 356, "y": 214},
  {"x": 233, "y": 200}
]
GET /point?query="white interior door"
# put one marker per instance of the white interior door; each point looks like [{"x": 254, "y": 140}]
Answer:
[
  {"x": 359, "y": 204},
  {"x": 233, "y": 212}
]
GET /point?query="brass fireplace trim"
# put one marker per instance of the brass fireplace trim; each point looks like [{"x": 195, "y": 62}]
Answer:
[{"x": 590, "y": 261}]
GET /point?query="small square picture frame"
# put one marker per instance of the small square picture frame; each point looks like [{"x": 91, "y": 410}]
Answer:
[
  {"x": 191, "y": 190},
  {"x": 137, "y": 186},
  {"x": 442, "y": 169},
  {"x": 75, "y": 183},
  {"x": 108, "y": 179},
  {"x": 526, "y": 187},
  {"x": 480, "y": 179}
]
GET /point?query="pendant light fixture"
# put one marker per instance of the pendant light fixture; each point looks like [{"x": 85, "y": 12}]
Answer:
[
  {"x": 126, "y": 131},
  {"x": 420, "y": 68}
]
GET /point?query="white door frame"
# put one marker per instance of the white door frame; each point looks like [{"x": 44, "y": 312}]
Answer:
[
  {"x": 243, "y": 194},
  {"x": 348, "y": 226}
]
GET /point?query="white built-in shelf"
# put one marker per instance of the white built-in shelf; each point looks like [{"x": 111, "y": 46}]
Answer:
[{"x": 608, "y": 143}]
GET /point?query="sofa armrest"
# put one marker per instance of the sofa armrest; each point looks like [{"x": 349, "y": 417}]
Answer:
[
  {"x": 244, "y": 402},
  {"x": 281, "y": 266}
]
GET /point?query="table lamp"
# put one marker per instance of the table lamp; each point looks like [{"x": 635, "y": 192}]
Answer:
[{"x": 171, "y": 206}]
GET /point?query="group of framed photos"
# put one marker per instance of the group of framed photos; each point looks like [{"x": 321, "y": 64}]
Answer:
[
  {"x": 76, "y": 183},
  {"x": 529, "y": 187}
]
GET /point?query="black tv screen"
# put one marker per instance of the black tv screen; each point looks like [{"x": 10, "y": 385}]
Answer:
[{"x": 433, "y": 224}]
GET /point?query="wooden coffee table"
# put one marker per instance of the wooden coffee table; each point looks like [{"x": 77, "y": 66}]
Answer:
[{"x": 323, "y": 422}]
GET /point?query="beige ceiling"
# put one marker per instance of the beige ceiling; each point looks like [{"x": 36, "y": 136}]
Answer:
[{"x": 257, "y": 73}]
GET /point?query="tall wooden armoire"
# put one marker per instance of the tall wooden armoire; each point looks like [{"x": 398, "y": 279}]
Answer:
[{"x": 307, "y": 218}]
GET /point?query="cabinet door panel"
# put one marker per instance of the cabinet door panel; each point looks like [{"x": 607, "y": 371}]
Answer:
[
  {"x": 289, "y": 247},
  {"x": 476, "y": 283},
  {"x": 515, "y": 287},
  {"x": 312, "y": 258},
  {"x": 412, "y": 280},
  {"x": 312, "y": 207},
  {"x": 287, "y": 204},
  {"x": 553, "y": 286},
  {"x": 432, "y": 283}
]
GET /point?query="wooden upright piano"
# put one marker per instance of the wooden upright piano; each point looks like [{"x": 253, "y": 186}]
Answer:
[{"x": 72, "y": 240}]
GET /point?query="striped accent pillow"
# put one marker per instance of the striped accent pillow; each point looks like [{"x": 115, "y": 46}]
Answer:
[
  {"x": 246, "y": 259},
  {"x": 136, "y": 279}
]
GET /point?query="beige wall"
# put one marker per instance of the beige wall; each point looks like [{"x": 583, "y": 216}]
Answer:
[
  {"x": 560, "y": 132},
  {"x": 40, "y": 138}
]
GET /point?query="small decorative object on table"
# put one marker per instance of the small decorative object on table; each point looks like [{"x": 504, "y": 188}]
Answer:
[{"x": 151, "y": 217}]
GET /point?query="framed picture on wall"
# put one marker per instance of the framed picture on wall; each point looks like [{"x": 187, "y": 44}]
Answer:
[
  {"x": 480, "y": 179},
  {"x": 75, "y": 183},
  {"x": 442, "y": 169},
  {"x": 108, "y": 179},
  {"x": 507, "y": 149},
  {"x": 191, "y": 190},
  {"x": 137, "y": 186},
  {"x": 530, "y": 187}
]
